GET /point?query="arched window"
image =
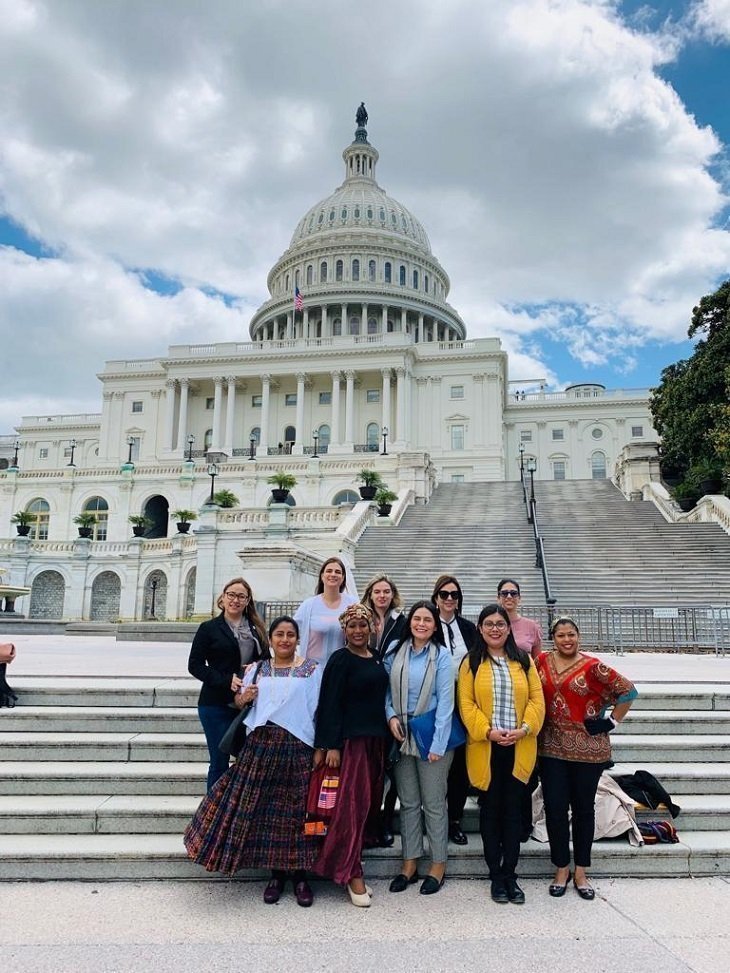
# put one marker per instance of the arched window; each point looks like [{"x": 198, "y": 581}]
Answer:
[
  {"x": 402, "y": 276},
  {"x": 290, "y": 437},
  {"x": 371, "y": 271},
  {"x": 100, "y": 508},
  {"x": 388, "y": 272},
  {"x": 345, "y": 496},
  {"x": 255, "y": 434},
  {"x": 286, "y": 283},
  {"x": 310, "y": 273},
  {"x": 323, "y": 272},
  {"x": 296, "y": 278},
  {"x": 356, "y": 269},
  {"x": 598, "y": 466},
  {"x": 372, "y": 437},
  {"x": 324, "y": 437},
  {"x": 39, "y": 526},
  {"x": 425, "y": 283},
  {"x": 338, "y": 270},
  {"x": 372, "y": 326},
  {"x": 208, "y": 439},
  {"x": 337, "y": 327},
  {"x": 415, "y": 280}
]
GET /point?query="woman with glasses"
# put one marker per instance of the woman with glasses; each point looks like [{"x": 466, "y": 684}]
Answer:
[
  {"x": 526, "y": 632},
  {"x": 502, "y": 706},
  {"x": 421, "y": 681},
  {"x": 222, "y": 647},
  {"x": 574, "y": 747},
  {"x": 318, "y": 617},
  {"x": 459, "y": 636}
]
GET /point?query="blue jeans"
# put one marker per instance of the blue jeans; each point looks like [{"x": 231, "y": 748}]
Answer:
[{"x": 215, "y": 721}]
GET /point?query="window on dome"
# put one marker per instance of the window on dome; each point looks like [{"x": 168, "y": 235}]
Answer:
[
  {"x": 393, "y": 219},
  {"x": 338, "y": 270},
  {"x": 354, "y": 324},
  {"x": 321, "y": 218},
  {"x": 296, "y": 278},
  {"x": 382, "y": 215},
  {"x": 402, "y": 276},
  {"x": 371, "y": 271},
  {"x": 370, "y": 212},
  {"x": 391, "y": 326},
  {"x": 415, "y": 280},
  {"x": 403, "y": 223},
  {"x": 311, "y": 221},
  {"x": 310, "y": 273},
  {"x": 357, "y": 212},
  {"x": 286, "y": 283},
  {"x": 372, "y": 326},
  {"x": 343, "y": 214},
  {"x": 425, "y": 283},
  {"x": 356, "y": 269},
  {"x": 388, "y": 272},
  {"x": 332, "y": 215},
  {"x": 323, "y": 272},
  {"x": 337, "y": 327}
]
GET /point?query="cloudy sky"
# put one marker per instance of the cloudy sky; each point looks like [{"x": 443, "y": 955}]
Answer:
[{"x": 568, "y": 159}]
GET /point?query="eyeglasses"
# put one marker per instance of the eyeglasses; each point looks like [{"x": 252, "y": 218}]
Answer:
[
  {"x": 448, "y": 595},
  {"x": 497, "y": 626},
  {"x": 509, "y": 593},
  {"x": 234, "y": 596}
]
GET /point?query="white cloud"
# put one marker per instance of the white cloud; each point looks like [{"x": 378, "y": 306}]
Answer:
[
  {"x": 550, "y": 164},
  {"x": 712, "y": 18}
]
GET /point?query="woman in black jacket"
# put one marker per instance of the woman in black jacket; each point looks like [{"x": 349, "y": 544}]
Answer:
[{"x": 220, "y": 650}]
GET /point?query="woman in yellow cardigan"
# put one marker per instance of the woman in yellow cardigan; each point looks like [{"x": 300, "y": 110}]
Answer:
[{"x": 502, "y": 706}]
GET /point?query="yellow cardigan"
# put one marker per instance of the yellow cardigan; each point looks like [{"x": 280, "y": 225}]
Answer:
[{"x": 476, "y": 703}]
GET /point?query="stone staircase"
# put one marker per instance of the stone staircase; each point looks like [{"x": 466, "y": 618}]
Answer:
[{"x": 99, "y": 776}]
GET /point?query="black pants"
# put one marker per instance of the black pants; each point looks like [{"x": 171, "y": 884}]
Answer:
[
  {"x": 457, "y": 788},
  {"x": 569, "y": 784},
  {"x": 500, "y": 817}
]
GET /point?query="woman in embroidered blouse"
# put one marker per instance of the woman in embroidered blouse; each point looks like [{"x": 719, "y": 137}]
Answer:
[
  {"x": 574, "y": 747},
  {"x": 254, "y": 815},
  {"x": 502, "y": 707},
  {"x": 421, "y": 679},
  {"x": 222, "y": 647},
  {"x": 350, "y": 734},
  {"x": 318, "y": 617}
]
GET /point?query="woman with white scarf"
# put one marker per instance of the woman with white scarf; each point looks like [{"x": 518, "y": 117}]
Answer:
[{"x": 421, "y": 679}]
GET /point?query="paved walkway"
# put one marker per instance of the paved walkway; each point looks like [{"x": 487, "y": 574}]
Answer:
[{"x": 669, "y": 925}]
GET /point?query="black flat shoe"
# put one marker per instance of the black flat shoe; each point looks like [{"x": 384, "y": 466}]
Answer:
[
  {"x": 401, "y": 882},
  {"x": 514, "y": 892},
  {"x": 558, "y": 891},
  {"x": 304, "y": 894},
  {"x": 499, "y": 893},
  {"x": 431, "y": 885},
  {"x": 457, "y": 835},
  {"x": 586, "y": 892},
  {"x": 272, "y": 892},
  {"x": 387, "y": 839}
]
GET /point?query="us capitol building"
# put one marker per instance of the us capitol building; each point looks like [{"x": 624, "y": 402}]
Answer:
[{"x": 356, "y": 361}]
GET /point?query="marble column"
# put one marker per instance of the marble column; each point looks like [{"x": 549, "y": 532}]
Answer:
[
  {"x": 182, "y": 423},
  {"x": 386, "y": 373},
  {"x": 349, "y": 406},
  {"x": 400, "y": 404},
  {"x": 335, "y": 419},
  {"x": 169, "y": 413},
  {"x": 265, "y": 405},
  {"x": 230, "y": 413},
  {"x": 300, "y": 438},
  {"x": 217, "y": 415}
]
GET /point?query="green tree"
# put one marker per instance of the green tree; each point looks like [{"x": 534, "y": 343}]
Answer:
[{"x": 690, "y": 405}]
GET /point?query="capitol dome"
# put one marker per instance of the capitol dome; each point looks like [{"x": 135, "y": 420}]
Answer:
[{"x": 358, "y": 246}]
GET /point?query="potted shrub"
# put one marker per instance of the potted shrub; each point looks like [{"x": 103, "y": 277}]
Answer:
[
  {"x": 139, "y": 523},
  {"x": 225, "y": 498},
  {"x": 370, "y": 480},
  {"x": 384, "y": 498},
  {"x": 281, "y": 484},
  {"x": 85, "y": 522},
  {"x": 184, "y": 518},
  {"x": 22, "y": 520},
  {"x": 706, "y": 477},
  {"x": 686, "y": 495}
]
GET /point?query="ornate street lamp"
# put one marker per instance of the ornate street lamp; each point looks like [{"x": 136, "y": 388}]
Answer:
[
  {"x": 130, "y": 443},
  {"x": 522, "y": 460},
  {"x": 72, "y": 444},
  {"x": 315, "y": 437},
  {"x": 212, "y": 473},
  {"x": 15, "y": 457},
  {"x": 385, "y": 441},
  {"x": 153, "y": 585},
  {"x": 191, "y": 440},
  {"x": 252, "y": 447}
]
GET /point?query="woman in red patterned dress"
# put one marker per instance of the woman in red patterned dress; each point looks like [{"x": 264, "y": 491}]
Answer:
[{"x": 573, "y": 747}]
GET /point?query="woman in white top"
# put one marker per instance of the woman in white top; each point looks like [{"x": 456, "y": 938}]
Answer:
[{"x": 319, "y": 617}]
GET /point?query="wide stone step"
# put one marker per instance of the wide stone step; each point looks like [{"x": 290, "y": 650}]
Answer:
[
  {"x": 103, "y": 777},
  {"x": 104, "y": 746},
  {"x": 682, "y": 778},
  {"x": 154, "y": 857},
  {"x": 640, "y": 748},
  {"x": 701, "y": 722},
  {"x": 105, "y": 691},
  {"x": 99, "y": 719},
  {"x": 96, "y": 814}
]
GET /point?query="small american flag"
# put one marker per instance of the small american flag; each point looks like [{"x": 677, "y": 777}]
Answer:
[{"x": 298, "y": 302}]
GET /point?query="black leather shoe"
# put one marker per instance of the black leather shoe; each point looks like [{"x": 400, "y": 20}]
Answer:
[
  {"x": 304, "y": 894},
  {"x": 514, "y": 892},
  {"x": 499, "y": 893},
  {"x": 586, "y": 892},
  {"x": 456, "y": 834},
  {"x": 401, "y": 882},
  {"x": 558, "y": 891},
  {"x": 272, "y": 892},
  {"x": 387, "y": 839},
  {"x": 431, "y": 885}
]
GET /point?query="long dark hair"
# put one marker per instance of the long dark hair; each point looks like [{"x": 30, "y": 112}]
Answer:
[
  {"x": 438, "y": 636},
  {"x": 320, "y": 583},
  {"x": 249, "y": 612},
  {"x": 280, "y": 620},
  {"x": 438, "y": 585},
  {"x": 480, "y": 653}
]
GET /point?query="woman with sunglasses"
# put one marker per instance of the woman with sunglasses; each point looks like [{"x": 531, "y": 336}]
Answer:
[
  {"x": 318, "y": 617},
  {"x": 459, "y": 636},
  {"x": 221, "y": 648},
  {"x": 526, "y": 632},
  {"x": 574, "y": 748},
  {"x": 502, "y": 706}
]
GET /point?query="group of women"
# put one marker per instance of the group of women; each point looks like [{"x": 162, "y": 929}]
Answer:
[{"x": 368, "y": 693}]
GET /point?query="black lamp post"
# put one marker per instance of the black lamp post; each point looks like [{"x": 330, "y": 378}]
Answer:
[
  {"x": 15, "y": 457},
  {"x": 191, "y": 440},
  {"x": 72, "y": 444},
  {"x": 315, "y": 437},
  {"x": 130, "y": 443},
  {"x": 385, "y": 441},
  {"x": 153, "y": 585},
  {"x": 212, "y": 473},
  {"x": 531, "y": 468},
  {"x": 252, "y": 447},
  {"x": 522, "y": 460}
]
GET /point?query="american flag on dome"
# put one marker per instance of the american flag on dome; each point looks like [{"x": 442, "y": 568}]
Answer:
[{"x": 298, "y": 302}]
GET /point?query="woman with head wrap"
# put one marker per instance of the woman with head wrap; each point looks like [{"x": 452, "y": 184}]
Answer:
[{"x": 350, "y": 735}]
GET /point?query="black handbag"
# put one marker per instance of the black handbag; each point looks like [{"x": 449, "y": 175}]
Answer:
[{"x": 235, "y": 736}]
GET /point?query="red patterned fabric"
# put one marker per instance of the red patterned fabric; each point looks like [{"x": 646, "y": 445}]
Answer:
[{"x": 582, "y": 690}]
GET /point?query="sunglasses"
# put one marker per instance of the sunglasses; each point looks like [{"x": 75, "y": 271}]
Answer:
[
  {"x": 509, "y": 593},
  {"x": 448, "y": 595}
]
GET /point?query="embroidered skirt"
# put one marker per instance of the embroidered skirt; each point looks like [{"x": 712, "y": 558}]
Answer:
[{"x": 254, "y": 815}]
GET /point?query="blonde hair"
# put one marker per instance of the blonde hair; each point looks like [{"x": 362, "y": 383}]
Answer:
[{"x": 367, "y": 596}]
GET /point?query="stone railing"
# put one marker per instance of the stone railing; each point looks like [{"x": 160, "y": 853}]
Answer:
[
  {"x": 356, "y": 520},
  {"x": 713, "y": 508}
]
